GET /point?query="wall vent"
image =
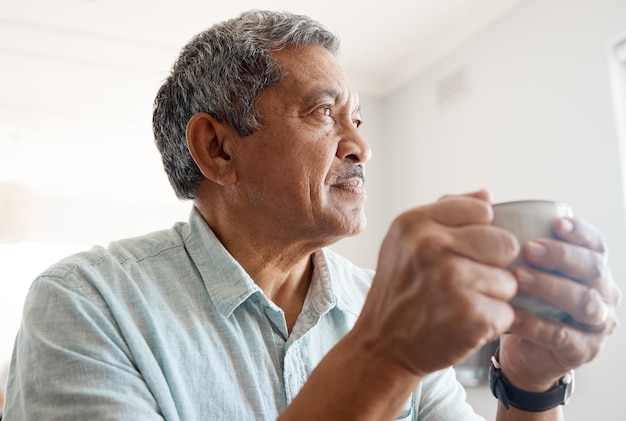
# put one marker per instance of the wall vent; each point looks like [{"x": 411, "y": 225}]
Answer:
[{"x": 452, "y": 86}]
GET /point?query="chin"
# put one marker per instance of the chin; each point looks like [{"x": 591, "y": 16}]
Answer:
[{"x": 355, "y": 226}]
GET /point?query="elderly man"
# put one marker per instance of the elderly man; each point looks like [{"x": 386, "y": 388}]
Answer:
[{"x": 243, "y": 314}]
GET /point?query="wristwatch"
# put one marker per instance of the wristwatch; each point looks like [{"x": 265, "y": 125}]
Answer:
[{"x": 508, "y": 394}]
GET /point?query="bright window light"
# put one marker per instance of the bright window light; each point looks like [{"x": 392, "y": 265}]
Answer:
[{"x": 617, "y": 59}]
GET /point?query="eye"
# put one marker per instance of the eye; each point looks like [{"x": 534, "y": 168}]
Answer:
[
  {"x": 357, "y": 122},
  {"x": 326, "y": 110}
]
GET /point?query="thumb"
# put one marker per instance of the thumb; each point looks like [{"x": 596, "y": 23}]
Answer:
[{"x": 482, "y": 194}]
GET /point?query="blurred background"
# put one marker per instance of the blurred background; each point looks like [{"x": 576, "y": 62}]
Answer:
[{"x": 524, "y": 97}]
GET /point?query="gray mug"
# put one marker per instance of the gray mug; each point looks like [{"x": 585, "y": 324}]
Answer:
[{"x": 528, "y": 219}]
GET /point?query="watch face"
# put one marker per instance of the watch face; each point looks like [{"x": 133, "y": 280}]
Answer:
[{"x": 568, "y": 381}]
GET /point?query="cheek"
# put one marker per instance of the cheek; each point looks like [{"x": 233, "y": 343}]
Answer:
[
  {"x": 305, "y": 159},
  {"x": 315, "y": 164}
]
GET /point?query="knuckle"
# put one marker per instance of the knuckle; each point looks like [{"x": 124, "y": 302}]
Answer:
[
  {"x": 483, "y": 211},
  {"x": 588, "y": 305},
  {"x": 567, "y": 344},
  {"x": 430, "y": 245},
  {"x": 611, "y": 324},
  {"x": 561, "y": 252},
  {"x": 403, "y": 222},
  {"x": 411, "y": 221},
  {"x": 560, "y": 338},
  {"x": 598, "y": 265},
  {"x": 509, "y": 285},
  {"x": 510, "y": 242},
  {"x": 589, "y": 236},
  {"x": 450, "y": 271},
  {"x": 473, "y": 313},
  {"x": 510, "y": 247}
]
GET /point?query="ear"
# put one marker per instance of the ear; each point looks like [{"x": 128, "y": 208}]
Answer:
[{"x": 209, "y": 143}]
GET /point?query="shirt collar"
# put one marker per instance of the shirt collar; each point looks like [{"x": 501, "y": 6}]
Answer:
[
  {"x": 336, "y": 275},
  {"x": 229, "y": 285},
  {"x": 326, "y": 290}
]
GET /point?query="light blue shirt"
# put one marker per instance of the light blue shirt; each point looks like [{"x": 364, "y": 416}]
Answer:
[{"x": 169, "y": 326}]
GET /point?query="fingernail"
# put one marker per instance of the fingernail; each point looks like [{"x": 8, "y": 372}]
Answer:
[
  {"x": 567, "y": 225},
  {"x": 535, "y": 249}
]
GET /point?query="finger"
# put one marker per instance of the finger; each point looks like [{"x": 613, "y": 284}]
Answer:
[
  {"x": 484, "y": 243},
  {"x": 487, "y": 280},
  {"x": 478, "y": 317},
  {"x": 574, "y": 261},
  {"x": 482, "y": 194},
  {"x": 585, "y": 305},
  {"x": 572, "y": 346},
  {"x": 607, "y": 287},
  {"x": 460, "y": 210},
  {"x": 498, "y": 315},
  {"x": 580, "y": 232}
]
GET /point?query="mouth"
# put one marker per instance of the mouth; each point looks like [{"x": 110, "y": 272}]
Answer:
[
  {"x": 352, "y": 185},
  {"x": 351, "y": 181}
]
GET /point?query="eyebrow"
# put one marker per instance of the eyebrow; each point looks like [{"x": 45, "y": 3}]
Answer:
[
  {"x": 326, "y": 92},
  {"x": 317, "y": 93}
]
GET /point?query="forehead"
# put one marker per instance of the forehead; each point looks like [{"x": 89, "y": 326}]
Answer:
[{"x": 312, "y": 72}]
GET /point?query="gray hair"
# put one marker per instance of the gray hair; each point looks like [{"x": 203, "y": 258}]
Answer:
[{"x": 222, "y": 71}]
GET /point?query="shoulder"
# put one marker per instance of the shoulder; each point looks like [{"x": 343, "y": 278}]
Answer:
[{"x": 119, "y": 257}]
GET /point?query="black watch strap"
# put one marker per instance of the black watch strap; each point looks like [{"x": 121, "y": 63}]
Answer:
[{"x": 508, "y": 394}]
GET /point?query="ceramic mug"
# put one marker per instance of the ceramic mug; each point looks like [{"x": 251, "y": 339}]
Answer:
[{"x": 528, "y": 219}]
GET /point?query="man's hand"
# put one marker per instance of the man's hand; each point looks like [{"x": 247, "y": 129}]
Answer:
[
  {"x": 571, "y": 274},
  {"x": 440, "y": 292},
  {"x": 442, "y": 288}
]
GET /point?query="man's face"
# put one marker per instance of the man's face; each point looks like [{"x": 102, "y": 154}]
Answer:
[{"x": 302, "y": 172}]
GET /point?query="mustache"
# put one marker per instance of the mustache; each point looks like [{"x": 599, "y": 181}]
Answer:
[{"x": 352, "y": 172}]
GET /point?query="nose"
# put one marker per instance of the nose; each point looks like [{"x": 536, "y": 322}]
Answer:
[{"x": 353, "y": 146}]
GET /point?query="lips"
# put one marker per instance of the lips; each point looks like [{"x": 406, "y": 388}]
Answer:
[
  {"x": 349, "y": 183},
  {"x": 351, "y": 180}
]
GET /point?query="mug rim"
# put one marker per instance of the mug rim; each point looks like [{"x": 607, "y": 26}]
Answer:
[{"x": 530, "y": 201}]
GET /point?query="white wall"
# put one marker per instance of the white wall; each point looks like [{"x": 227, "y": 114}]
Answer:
[{"x": 535, "y": 120}]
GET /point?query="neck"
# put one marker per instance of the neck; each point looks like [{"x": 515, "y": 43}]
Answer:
[
  {"x": 287, "y": 289},
  {"x": 282, "y": 269}
]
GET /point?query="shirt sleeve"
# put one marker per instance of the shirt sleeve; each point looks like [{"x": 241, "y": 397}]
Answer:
[
  {"x": 70, "y": 362},
  {"x": 443, "y": 398}
]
